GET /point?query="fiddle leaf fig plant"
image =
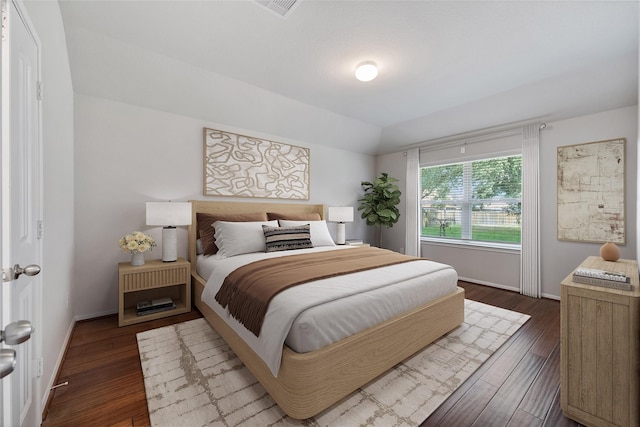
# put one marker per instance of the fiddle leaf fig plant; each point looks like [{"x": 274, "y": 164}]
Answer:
[{"x": 379, "y": 203}]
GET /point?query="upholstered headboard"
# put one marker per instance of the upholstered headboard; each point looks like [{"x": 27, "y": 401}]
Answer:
[{"x": 234, "y": 208}]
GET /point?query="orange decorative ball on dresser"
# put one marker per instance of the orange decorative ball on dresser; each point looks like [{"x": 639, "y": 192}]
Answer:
[{"x": 610, "y": 252}]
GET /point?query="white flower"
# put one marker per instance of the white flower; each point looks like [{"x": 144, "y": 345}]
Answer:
[{"x": 136, "y": 242}]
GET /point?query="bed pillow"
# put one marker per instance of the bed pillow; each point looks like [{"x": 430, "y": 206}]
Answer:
[
  {"x": 207, "y": 232},
  {"x": 237, "y": 238},
  {"x": 311, "y": 216},
  {"x": 287, "y": 238},
  {"x": 319, "y": 232}
]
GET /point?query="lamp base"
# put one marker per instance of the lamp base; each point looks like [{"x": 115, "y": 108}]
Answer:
[
  {"x": 340, "y": 240},
  {"x": 169, "y": 244}
]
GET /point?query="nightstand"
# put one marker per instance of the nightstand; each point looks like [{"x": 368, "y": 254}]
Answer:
[
  {"x": 355, "y": 242},
  {"x": 600, "y": 348},
  {"x": 153, "y": 280}
]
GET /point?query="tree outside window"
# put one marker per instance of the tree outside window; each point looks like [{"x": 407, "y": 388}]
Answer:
[{"x": 479, "y": 200}]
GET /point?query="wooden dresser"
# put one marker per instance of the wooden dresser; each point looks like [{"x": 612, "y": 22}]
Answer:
[{"x": 600, "y": 349}]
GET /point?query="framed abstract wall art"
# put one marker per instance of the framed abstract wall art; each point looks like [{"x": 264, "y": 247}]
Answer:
[
  {"x": 591, "y": 192},
  {"x": 244, "y": 166}
]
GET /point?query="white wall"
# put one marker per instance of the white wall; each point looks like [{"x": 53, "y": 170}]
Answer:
[
  {"x": 558, "y": 258},
  {"x": 395, "y": 165},
  {"x": 127, "y": 155},
  {"x": 488, "y": 266},
  {"x": 58, "y": 244},
  {"x": 166, "y": 84}
]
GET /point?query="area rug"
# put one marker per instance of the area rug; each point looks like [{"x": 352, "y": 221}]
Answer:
[{"x": 193, "y": 379}]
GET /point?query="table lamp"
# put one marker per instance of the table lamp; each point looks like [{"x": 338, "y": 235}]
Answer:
[
  {"x": 340, "y": 214},
  {"x": 169, "y": 215}
]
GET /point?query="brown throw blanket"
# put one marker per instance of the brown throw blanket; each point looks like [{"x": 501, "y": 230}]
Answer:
[{"x": 249, "y": 289}]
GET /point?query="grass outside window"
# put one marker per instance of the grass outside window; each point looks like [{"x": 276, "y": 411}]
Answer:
[{"x": 485, "y": 233}]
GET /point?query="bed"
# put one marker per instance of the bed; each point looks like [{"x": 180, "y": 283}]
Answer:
[{"x": 310, "y": 382}]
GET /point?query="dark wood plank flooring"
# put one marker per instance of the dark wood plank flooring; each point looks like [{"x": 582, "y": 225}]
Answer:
[
  {"x": 102, "y": 366},
  {"x": 518, "y": 386}
]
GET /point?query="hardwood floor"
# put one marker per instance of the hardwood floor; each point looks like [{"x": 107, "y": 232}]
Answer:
[
  {"x": 102, "y": 366},
  {"x": 518, "y": 386}
]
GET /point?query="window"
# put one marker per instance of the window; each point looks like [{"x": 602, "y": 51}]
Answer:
[{"x": 478, "y": 201}]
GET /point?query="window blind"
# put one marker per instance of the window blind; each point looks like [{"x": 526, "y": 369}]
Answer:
[{"x": 469, "y": 149}]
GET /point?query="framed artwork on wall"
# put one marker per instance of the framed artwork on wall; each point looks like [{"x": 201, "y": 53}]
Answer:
[
  {"x": 591, "y": 192},
  {"x": 244, "y": 166}
]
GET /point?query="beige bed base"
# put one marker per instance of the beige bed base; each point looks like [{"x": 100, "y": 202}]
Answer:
[{"x": 309, "y": 383}]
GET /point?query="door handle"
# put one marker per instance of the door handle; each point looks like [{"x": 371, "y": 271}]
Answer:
[
  {"x": 12, "y": 273},
  {"x": 17, "y": 332},
  {"x": 7, "y": 361}
]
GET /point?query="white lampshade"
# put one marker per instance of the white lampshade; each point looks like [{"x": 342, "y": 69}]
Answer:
[
  {"x": 340, "y": 214},
  {"x": 168, "y": 214}
]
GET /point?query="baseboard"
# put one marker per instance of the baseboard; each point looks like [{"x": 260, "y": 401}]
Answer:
[
  {"x": 47, "y": 396},
  {"x": 550, "y": 296},
  {"x": 494, "y": 285},
  {"x": 95, "y": 315},
  {"x": 507, "y": 288}
]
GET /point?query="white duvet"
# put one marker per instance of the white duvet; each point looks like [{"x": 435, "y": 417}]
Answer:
[{"x": 319, "y": 313}]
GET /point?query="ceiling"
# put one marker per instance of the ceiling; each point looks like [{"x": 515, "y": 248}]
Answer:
[{"x": 445, "y": 67}]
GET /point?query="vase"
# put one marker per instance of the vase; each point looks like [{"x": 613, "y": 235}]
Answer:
[
  {"x": 610, "y": 251},
  {"x": 137, "y": 258}
]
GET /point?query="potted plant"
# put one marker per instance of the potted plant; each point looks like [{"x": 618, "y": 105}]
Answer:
[{"x": 379, "y": 204}]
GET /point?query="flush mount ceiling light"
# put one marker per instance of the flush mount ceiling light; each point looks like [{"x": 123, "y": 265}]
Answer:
[{"x": 366, "y": 71}]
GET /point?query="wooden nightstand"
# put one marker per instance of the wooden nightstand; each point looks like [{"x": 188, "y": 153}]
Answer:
[
  {"x": 600, "y": 349},
  {"x": 155, "y": 279},
  {"x": 353, "y": 242}
]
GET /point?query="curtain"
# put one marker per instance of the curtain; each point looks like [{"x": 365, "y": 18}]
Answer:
[
  {"x": 530, "y": 253},
  {"x": 412, "y": 198}
]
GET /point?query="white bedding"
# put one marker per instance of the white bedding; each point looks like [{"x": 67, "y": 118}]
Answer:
[{"x": 310, "y": 316}]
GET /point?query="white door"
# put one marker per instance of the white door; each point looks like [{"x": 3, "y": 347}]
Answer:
[
  {"x": 2, "y": 181},
  {"x": 22, "y": 210}
]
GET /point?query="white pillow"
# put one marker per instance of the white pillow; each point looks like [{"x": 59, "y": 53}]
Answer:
[
  {"x": 320, "y": 235},
  {"x": 236, "y": 238}
]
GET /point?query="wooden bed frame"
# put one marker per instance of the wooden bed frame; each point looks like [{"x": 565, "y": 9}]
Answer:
[{"x": 309, "y": 383}]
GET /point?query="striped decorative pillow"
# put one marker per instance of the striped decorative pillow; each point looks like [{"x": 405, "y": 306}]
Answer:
[{"x": 287, "y": 238}]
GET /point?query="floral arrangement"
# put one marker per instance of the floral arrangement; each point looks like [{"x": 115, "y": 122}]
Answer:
[{"x": 136, "y": 242}]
